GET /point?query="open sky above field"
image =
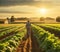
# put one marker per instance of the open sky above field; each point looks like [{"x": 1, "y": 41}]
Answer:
[{"x": 29, "y": 8}]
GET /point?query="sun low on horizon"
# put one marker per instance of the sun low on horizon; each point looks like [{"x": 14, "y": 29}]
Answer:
[
  {"x": 29, "y": 8},
  {"x": 42, "y": 11}
]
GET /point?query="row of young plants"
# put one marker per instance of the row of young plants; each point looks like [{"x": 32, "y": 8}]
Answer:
[
  {"x": 11, "y": 43},
  {"x": 8, "y": 37},
  {"x": 52, "y": 25},
  {"x": 54, "y": 30},
  {"x": 2, "y": 28},
  {"x": 47, "y": 41},
  {"x": 3, "y": 33},
  {"x": 6, "y": 28}
]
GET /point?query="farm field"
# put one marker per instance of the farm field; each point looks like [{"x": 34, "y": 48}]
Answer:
[{"x": 40, "y": 38}]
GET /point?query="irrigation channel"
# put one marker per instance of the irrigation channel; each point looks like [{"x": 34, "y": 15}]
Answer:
[{"x": 29, "y": 43}]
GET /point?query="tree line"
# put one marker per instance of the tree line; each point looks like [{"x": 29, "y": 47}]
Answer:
[{"x": 12, "y": 19}]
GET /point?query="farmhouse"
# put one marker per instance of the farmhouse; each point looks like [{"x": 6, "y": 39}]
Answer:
[{"x": 4, "y": 21}]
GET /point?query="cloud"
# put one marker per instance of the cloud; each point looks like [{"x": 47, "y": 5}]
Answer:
[
  {"x": 15, "y": 2},
  {"x": 18, "y": 9},
  {"x": 27, "y": 2},
  {"x": 15, "y": 12},
  {"x": 30, "y": 3}
]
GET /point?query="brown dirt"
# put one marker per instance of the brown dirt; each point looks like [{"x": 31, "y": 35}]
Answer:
[
  {"x": 30, "y": 44},
  {"x": 35, "y": 45}
]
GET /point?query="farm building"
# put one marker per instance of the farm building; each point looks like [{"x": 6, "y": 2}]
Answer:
[{"x": 4, "y": 21}]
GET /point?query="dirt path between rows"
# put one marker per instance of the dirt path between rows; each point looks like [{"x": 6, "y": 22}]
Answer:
[
  {"x": 30, "y": 44},
  {"x": 35, "y": 45}
]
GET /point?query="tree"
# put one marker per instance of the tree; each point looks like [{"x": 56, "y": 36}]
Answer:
[
  {"x": 12, "y": 18},
  {"x": 7, "y": 18},
  {"x": 42, "y": 18},
  {"x": 58, "y": 19},
  {"x": 49, "y": 18}
]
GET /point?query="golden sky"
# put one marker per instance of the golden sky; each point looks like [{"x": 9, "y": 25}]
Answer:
[{"x": 29, "y": 8}]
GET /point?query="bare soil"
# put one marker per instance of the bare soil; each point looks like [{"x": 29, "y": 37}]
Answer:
[{"x": 30, "y": 44}]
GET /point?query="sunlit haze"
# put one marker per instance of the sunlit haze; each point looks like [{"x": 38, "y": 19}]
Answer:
[
  {"x": 42, "y": 11},
  {"x": 30, "y": 8}
]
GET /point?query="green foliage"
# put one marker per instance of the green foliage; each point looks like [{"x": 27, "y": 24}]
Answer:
[
  {"x": 58, "y": 19},
  {"x": 47, "y": 41},
  {"x": 8, "y": 49},
  {"x": 10, "y": 43},
  {"x": 12, "y": 19},
  {"x": 2, "y": 46}
]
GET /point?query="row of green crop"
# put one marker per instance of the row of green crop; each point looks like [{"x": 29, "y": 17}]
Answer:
[
  {"x": 6, "y": 28},
  {"x": 47, "y": 41},
  {"x": 50, "y": 25},
  {"x": 54, "y": 30},
  {"x": 11, "y": 43},
  {"x": 3, "y": 33},
  {"x": 2, "y": 27},
  {"x": 15, "y": 32}
]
